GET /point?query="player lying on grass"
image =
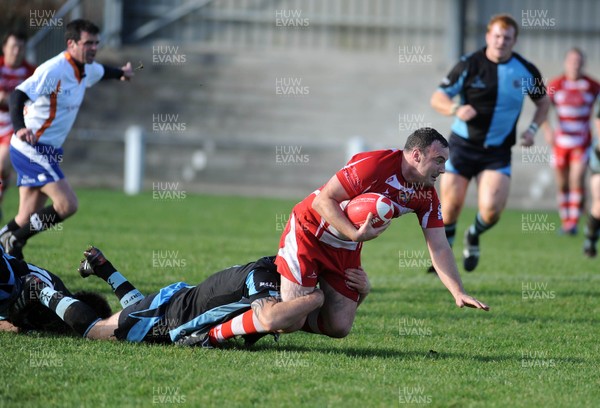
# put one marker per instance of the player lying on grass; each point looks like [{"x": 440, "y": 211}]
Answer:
[
  {"x": 17, "y": 316},
  {"x": 241, "y": 300}
]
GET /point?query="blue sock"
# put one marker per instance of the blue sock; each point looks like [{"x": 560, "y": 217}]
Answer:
[{"x": 124, "y": 290}]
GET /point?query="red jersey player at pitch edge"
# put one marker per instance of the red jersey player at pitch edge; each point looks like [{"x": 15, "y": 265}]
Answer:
[
  {"x": 573, "y": 94},
  {"x": 43, "y": 109},
  {"x": 13, "y": 70},
  {"x": 309, "y": 253}
]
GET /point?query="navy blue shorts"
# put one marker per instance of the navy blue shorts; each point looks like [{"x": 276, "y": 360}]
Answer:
[
  {"x": 469, "y": 160},
  {"x": 144, "y": 320}
]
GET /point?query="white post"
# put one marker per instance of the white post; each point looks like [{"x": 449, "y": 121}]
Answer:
[
  {"x": 356, "y": 144},
  {"x": 134, "y": 160}
]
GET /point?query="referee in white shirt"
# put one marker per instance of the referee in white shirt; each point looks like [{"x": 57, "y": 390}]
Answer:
[{"x": 43, "y": 109}]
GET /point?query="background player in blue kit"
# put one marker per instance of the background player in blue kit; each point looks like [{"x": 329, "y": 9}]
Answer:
[
  {"x": 52, "y": 97},
  {"x": 491, "y": 84}
]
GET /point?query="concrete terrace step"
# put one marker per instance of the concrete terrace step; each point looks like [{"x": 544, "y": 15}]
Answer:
[{"x": 235, "y": 121}]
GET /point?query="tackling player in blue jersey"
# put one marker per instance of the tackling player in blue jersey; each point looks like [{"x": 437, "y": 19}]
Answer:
[
  {"x": 240, "y": 300},
  {"x": 491, "y": 85}
]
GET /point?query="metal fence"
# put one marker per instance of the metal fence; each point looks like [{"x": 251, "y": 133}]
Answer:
[
  {"x": 315, "y": 24},
  {"x": 442, "y": 27},
  {"x": 547, "y": 27}
]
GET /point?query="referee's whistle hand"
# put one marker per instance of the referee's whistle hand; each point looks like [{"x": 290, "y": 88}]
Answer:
[
  {"x": 26, "y": 135},
  {"x": 127, "y": 72}
]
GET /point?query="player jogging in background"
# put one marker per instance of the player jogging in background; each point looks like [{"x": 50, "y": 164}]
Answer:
[
  {"x": 309, "y": 253},
  {"x": 13, "y": 70},
  {"x": 43, "y": 109},
  {"x": 491, "y": 85},
  {"x": 241, "y": 300},
  {"x": 573, "y": 94}
]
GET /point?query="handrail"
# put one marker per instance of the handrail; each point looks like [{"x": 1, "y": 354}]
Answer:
[
  {"x": 41, "y": 34},
  {"x": 172, "y": 16}
]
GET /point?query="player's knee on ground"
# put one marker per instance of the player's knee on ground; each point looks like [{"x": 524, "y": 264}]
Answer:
[
  {"x": 336, "y": 326},
  {"x": 295, "y": 327},
  {"x": 289, "y": 328},
  {"x": 337, "y": 330}
]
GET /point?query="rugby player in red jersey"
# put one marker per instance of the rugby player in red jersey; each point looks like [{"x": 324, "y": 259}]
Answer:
[
  {"x": 310, "y": 253},
  {"x": 592, "y": 228},
  {"x": 13, "y": 70},
  {"x": 573, "y": 94}
]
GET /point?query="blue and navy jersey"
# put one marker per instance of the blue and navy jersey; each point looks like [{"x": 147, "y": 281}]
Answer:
[
  {"x": 10, "y": 281},
  {"x": 220, "y": 297},
  {"x": 37, "y": 316},
  {"x": 496, "y": 91}
]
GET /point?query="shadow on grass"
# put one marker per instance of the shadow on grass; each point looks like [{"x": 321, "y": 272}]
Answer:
[
  {"x": 367, "y": 353},
  {"x": 390, "y": 353}
]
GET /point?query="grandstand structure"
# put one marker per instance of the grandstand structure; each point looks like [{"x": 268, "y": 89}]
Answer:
[{"x": 269, "y": 97}]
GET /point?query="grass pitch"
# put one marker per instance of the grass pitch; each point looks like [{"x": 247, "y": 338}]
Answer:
[{"x": 410, "y": 345}]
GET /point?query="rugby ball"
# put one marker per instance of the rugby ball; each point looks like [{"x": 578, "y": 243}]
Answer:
[{"x": 360, "y": 206}]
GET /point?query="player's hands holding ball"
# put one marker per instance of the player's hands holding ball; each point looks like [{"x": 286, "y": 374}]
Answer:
[
  {"x": 367, "y": 231},
  {"x": 371, "y": 213}
]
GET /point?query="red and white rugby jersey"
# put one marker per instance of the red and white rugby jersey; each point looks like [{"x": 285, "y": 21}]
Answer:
[
  {"x": 9, "y": 79},
  {"x": 574, "y": 102},
  {"x": 378, "y": 172},
  {"x": 56, "y": 90}
]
